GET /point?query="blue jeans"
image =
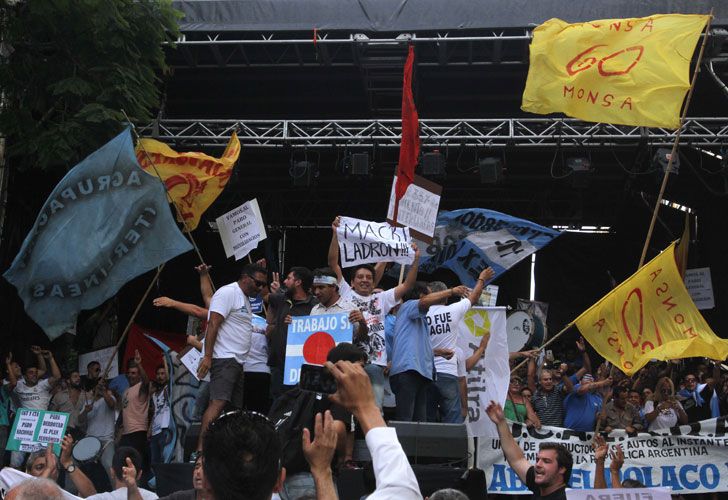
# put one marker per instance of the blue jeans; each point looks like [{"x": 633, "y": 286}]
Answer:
[
  {"x": 443, "y": 400},
  {"x": 410, "y": 389},
  {"x": 376, "y": 375},
  {"x": 201, "y": 401},
  {"x": 299, "y": 485},
  {"x": 157, "y": 444}
]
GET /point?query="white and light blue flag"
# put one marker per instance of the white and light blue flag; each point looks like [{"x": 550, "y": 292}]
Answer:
[
  {"x": 467, "y": 241},
  {"x": 105, "y": 223}
]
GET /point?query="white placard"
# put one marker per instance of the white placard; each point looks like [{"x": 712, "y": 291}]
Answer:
[
  {"x": 654, "y": 493},
  {"x": 102, "y": 356},
  {"x": 363, "y": 242},
  {"x": 700, "y": 287},
  {"x": 191, "y": 360},
  {"x": 241, "y": 229},
  {"x": 417, "y": 208},
  {"x": 489, "y": 296}
]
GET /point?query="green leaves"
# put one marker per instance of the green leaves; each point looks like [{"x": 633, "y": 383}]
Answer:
[{"x": 73, "y": 66}]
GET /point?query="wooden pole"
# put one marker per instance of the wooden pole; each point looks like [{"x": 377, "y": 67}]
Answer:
[
  {"x": 675, "y": 143},
  {"x": 550, "y": 341},
  {"x": 131, "y": 320},
  {"x": 188, "y": 231}
]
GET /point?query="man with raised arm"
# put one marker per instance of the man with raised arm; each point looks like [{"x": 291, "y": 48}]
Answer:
[
  {"x": 549, "y": 477},
  {"x": 443, "y": 397},
  {"x": 374, "y": 307},
  {"x": 227, "y": 342}
]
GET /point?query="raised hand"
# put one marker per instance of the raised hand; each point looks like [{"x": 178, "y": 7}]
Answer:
[
  {"x": 163, "y": 302},
  {"x": 129, "y": 474},
  {"x": 203, "y": 269},
  {"x": 486, "y": 274},
  {"x": 354, "y": 389},
  {"x": 581, "y": 344},
  {"x": 66, "y": 449},
  {"x": 617, "y": 456},
  {"x": 495, "y": 412},
  {"x": 35, "y": 349},
  {"x": 275, "y": 285},
  {"x": 460, "y": 291},
  {"x": 599, "y": 445},
  {"x": 320, "y": 451}
]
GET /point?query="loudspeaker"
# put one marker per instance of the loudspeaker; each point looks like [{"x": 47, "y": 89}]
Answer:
[
  {"x": 426, "y": 442},
  {"x": 433, "y": 164},
  {"x": 491, "y": 170},
  {"x": 360, "y": 164}
]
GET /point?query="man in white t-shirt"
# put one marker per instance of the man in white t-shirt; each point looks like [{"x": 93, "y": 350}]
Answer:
[
  {"x": 443, "y": 396},
  {"x": 33, "y": 393},
  {"x": 227, "y": 342},
  {"x": 374, "y": 306}
]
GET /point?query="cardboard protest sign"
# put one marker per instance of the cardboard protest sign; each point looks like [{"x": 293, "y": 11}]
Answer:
[
  {"x": 102, "y": 356},
  {"x": 619, "y": 494},
  {"x": 700, "y": 287},
  {"x": 688, "y": 459},
  {"x": 241, "y": 229},
  {"x": 310, "y": 338},
  {"x": 417, "y": 208},
  {"x": 363, "y": 242},
  {"x": 34, "y": 429}
]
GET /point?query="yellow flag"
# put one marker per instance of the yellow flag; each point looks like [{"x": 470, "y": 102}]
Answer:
[
  {"x": 650, "y": 316},
  {"x": 194, "y": 180},
  {"x": 625, "y": 71}
]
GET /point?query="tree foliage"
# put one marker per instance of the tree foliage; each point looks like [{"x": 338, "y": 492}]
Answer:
[{"x": 70, "y": 66}]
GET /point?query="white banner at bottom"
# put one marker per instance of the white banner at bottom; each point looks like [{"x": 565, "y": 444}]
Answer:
[{"x": 688, "y": 459}]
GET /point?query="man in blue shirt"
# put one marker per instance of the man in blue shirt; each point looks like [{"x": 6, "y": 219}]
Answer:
[
  {"x": 583, "y": 403},
  {"x": 413, "y": 365}
]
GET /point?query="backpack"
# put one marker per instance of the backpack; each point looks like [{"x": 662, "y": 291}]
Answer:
[{"x": 290, "y": 413}]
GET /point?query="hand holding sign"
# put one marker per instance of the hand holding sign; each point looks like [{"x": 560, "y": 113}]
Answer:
[{"x": 362, "y": 242}]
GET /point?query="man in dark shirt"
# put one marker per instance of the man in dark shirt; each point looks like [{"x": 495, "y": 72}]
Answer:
[
  {"x": 549, "y": 478},
  {"x": 695, "y": 397},
  {"x": 294, "y": 299}
]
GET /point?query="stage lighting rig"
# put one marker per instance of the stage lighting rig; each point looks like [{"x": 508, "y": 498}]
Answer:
[
  {"x": 491, "y": 170},
  {"x": 581, "y": 171}
]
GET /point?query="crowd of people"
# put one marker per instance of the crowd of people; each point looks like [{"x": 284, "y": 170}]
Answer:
[{"x": 260, "y": 436}]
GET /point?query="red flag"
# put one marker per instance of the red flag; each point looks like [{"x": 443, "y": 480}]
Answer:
[
  {"x": 409, "y": 149},
  {"x": 150, "y": 352}
]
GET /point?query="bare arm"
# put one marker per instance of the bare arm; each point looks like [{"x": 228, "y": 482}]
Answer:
[
  {"x": 600, "y": 454},
  {"x": 213, "y": 326},
  {"x": 586, "y": 362},
  {"x": 319, "y": 454},
  {"x": 513, "y": 453},
  {"x": 183, "y": 307},
  {"x": 80, "y": 480},
  {"x": 205, "y": 284},
  {"x": 333, "y": 256},
  {"x": 478, "y": 353},
  {"x": 433, "y": 298},
  {"x": 55, "y": 371},
  {"x": 485, "y": 275},
  {"x": 40, "y": 361},
  {"x": 409, "y": 281},
  {"x": 531, "y": 414}
]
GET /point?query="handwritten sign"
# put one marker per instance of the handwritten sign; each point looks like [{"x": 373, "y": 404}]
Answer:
[
  {"x": 35, "y": 429},
  {"x": 418, "y": 208},
  {"x": 363, "y": 242},
  {"x": 310, "y": 338},
  {"x": 700, "y": 287},
  {"x": 241, "y": 229},
  {"x": 619, "y": 494}
]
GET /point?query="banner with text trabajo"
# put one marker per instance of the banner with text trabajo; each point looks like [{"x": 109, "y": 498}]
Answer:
[
  {"x": 310, "y": 338},
  {"x": 364, "y": 242},
  {"x": 688, "y": 459}
]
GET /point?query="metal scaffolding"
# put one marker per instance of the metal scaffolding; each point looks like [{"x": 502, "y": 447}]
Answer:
[{"x": 706, "y": 132}]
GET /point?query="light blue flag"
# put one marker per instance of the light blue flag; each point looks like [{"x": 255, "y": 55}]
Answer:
[
  {"x": 105, "y": 223},
  {"x": 467, "y": 241}
]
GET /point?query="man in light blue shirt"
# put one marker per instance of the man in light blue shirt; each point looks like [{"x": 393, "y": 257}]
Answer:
[{"x": 413, "y": 365}]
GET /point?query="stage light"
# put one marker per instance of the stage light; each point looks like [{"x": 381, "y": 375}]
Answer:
[
  {"x": 662, "y": 159},
  {"x": 580, "y": 171},
  {"x": 303, "y": 173},
  {"x": 491, "y": 170},
  {"x": 433, "y": 165}
]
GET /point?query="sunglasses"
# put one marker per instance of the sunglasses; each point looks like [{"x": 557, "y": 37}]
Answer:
[
  {"x": 516, "y": 382},
  {"x": 258, "y": 283}
]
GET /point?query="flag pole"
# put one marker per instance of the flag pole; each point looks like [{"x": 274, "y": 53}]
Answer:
[
  {"x": 169, "y": 197},
  {"x": 675, "y": 143},
  {"x": 548, "y": 343},
  {"x": 131, "y": 320}
]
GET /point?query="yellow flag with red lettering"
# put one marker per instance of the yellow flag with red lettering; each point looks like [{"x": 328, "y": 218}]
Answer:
[
  {"x": 194, "y": 180},
  {"x": 625, "y": 71},
  {"x": 650, "y": 316}
]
